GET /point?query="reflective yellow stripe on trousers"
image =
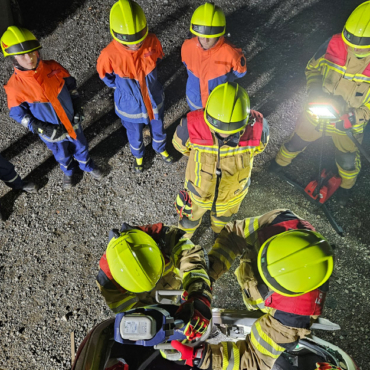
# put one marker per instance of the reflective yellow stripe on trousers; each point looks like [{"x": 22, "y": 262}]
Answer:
[
  {"x": 231, "y": 356},
  {"x": 263, "y": 343},
  {"x": 124, "y": 304}
]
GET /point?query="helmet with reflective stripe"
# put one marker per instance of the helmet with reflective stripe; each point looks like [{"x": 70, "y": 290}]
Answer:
[
  {"x": 356, "y": 31},
  {"x": 295, "y": 262},
  {"x": 208, "y": 21},
  {"x": 16, "y": 40},
  {"x": 127, "y": 22},
  {"x": 227, "y": 109},
  {"x": 135, "y": 261}
]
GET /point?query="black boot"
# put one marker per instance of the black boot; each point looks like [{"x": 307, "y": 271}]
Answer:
[
  {"x": 166, "y": 157},
  {"x": 138, "y": 168},
  {"x": 274, "y": 167},
  {"x": 96, "y": 173},
  {"x": 342, "y": 196},
  {"x": 29, "y": 187},
  {"x": 67, "y": 182}
]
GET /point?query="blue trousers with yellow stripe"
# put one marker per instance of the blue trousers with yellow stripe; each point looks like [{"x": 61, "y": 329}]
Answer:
[
  {"x": 136, "y": 140},
  {"x": 65, "y": 151}
]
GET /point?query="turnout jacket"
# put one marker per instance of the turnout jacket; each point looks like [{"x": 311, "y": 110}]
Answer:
[
  {"x": 186, "y": 268},
  {"x": 336, "y": 70},
  {"x": 287, "y": 319},
  {"x": 46, "y": 94},
  {"x": 218, "y": 171},
  {"x": 138, "y": 95},
  {"x": 210, "y": 68}
]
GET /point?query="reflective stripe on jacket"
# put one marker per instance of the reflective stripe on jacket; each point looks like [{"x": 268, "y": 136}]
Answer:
[
  {"x": 185, "y": 267},
  {"x": 286, "y": 320},
  {"x": 138, "y": 95},
  {"x": 337, "y": 70},
  {"x": 210, "y": 68},
  {"x": 43, "y": 94},
  {"x": 194, "y": 138}
]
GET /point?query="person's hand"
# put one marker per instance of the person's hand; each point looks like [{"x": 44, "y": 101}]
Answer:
[
  {"x": 348, "y": 120},
  {"x": 191, "y": 356},
  {"x": 183, "y": 204},
  {"x": 257, "y": 115},
  {"x": 78, "y": 112},
  {"x": 78, "y": 116},
  {"x": 196, "y": 314},
  {"x": 48, "y": 129},
  {"x": 326, "y": 366}
]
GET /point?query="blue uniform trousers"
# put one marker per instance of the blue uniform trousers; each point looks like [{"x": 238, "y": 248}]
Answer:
[
  {"x": 8, "y": 174},
  {"x": 135, "y": 136},
  {"x": 65, "y": 150}
]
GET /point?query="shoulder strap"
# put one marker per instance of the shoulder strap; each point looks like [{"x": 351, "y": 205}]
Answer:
[
  {"x": 199, "y": 132},
  {"x": 252, "y": 134},
  {"x": 337, "y": 50}
]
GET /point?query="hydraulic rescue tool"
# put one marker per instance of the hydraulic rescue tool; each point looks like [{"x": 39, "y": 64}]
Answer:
[{"x": 137, "y": 338}]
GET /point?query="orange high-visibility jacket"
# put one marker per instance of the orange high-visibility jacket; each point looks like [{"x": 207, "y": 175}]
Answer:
[
  {"x": 138, "y": 95},
  {"x": 210, "y": 68}
]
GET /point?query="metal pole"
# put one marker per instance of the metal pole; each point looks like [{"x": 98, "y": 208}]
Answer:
[{"x": 359, "y": 146}]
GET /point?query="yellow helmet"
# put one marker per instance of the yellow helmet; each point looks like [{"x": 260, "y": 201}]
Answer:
[
  {"x": 135, "y": 261},
  {"x": 16, "y": 40},
  {"x": 295, "y": 262},
  {"x": 227, "y": 109},
  {"x": 356, "y": 31},
  {"x": 208, "y": 21},
  {"x": 127, "y": 22}
]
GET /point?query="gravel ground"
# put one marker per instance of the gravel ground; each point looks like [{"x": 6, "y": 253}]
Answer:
[{"x": 51, "y": 242}]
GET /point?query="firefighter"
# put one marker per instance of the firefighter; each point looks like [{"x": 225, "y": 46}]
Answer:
[
  {"x": 42, "y": 97},
  {"x": 129, "y": 65},
  {"x": 221, "y": 142},
  {"x": 209, "y": 59},
  {"x": 340, "y": 69},
  {"x": 284, "y": 270},
  {"x": 143, "y": 259}
]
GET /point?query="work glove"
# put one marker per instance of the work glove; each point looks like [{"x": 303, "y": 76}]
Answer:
[
  {"x": 48, "y": 129},
  {"x": 196, "y": 314},
  {"x": 256, "y": 115},
  {"x": 347, "y": 121},
  {"x": 324, "y": 366},
  {"x": 78, "y": 115},
  {"x": 183, "y": 204},
  {"x": 192, "y": 356}
]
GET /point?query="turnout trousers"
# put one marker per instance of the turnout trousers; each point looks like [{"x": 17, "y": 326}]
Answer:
[
  {"x": 347, "y": 156},
  {"x": 65, "y": 151},
  {"x": 8, "y": 174},
  {"x": 189, "y": 225},
  {"x": 136, "y": 140}
]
